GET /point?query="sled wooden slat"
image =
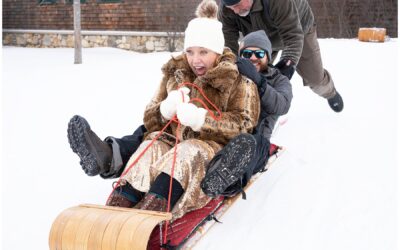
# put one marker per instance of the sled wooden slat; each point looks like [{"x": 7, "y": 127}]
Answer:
[
  {"x": 87, "y": 227},
  {"x": 112, "y": 231},
  {"x": 129, "y": 229},
  {"x": 55, "y": 239},
  {"x": 69, "y": 233},
  {"x": 96, "y": 235},
  {"x": 84, "y": 230},
  {"x": 142, "y": 244}
]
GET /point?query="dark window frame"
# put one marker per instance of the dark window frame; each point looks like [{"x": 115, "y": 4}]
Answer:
[
  {"x": 46, "y": 2},
  {"x": 72, "y": 1},
  {"x": 109, "y": 1}
]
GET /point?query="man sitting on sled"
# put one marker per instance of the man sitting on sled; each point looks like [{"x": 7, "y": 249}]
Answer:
[
  {"x": 247, "y": 154},
  {"x": 234, "y": 106}
]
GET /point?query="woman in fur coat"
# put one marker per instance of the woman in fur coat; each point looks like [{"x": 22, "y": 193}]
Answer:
[{"x": 211, "y": 67}]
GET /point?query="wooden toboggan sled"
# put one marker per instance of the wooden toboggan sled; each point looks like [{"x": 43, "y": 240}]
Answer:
[{"x": 96, "y": 227}]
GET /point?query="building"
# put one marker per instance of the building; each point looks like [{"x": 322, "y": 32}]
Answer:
[{"x": 156, "y": 25}]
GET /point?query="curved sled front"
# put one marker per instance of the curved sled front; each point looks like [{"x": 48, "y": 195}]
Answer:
[{"x": 87, "y": 227}]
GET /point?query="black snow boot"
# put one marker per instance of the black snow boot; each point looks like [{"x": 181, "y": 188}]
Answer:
[
  {"x": 94, "y": 153},
  {"x": 336, "y": 102},
  {"x": 229, "y": 166}
]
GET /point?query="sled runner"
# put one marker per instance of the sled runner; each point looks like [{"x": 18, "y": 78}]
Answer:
[{"x": 93, "y": 227}]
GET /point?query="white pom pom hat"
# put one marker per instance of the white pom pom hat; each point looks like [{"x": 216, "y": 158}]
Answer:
[{"x": 205, "y": 32}]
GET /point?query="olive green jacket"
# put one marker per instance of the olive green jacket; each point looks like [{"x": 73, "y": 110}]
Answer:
[{"x": 284, "y": 21}]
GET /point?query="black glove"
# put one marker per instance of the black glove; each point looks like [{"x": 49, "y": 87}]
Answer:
[
  {"x": 286, "y": 67},
  {"x": 262, "y": 87},
  {"x": 246, "y": 68}
]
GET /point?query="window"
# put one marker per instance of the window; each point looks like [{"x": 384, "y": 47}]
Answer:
[
  {"x": 42, "y": 2},
  {"x": 109, "y": 1},
  {"x": 72, "y": 1}
]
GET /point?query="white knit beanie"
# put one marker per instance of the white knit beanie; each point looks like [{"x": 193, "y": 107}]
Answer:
[{"x": 205, "y": 30}]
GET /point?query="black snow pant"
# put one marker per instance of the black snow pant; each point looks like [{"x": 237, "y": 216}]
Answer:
[
  {"x": 123, "y": 148},
  {"x": 128, "y": 144},
  {"x": 260, "y": 159}
]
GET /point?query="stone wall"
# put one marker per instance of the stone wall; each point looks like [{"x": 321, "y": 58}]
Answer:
[{"x": 136, "y": 41}]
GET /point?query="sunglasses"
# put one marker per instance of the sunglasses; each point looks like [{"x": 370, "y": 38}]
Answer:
[{"x": 247, "y": 53}]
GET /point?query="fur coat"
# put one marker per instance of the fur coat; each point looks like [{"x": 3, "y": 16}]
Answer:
[{"x": 234, "y": 95}]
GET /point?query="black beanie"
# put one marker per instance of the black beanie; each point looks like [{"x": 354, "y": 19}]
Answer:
[
  {"x": 230, "y": 2},
  {"x": 257, "y": 39}
]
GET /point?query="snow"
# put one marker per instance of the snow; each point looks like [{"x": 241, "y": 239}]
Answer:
[{"x": 333, "y": 188}]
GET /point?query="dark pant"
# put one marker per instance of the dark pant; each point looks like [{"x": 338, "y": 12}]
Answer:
[
  {"x": 261, "y": 157},
  {"x": 128, "y": 144},
  {"x": 310, "y": 66},
  {"x": 161, "y": 188}
]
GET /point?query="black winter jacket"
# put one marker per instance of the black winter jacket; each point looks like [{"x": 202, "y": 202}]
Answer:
[{"x": 275, "y": 98}]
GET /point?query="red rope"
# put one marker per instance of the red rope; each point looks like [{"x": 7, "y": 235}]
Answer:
[
  {"x": 217, "y": 118},
  {"x": 174, "y": 119},
  {"x": 170, "y": 183}
]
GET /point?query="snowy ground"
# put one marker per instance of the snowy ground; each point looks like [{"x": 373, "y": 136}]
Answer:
[{"x": 334, "y": 188}]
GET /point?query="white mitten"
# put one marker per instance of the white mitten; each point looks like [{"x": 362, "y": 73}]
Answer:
[
  {"x": 168, "y": 106},
  {"x": 190, "y": 115}
]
